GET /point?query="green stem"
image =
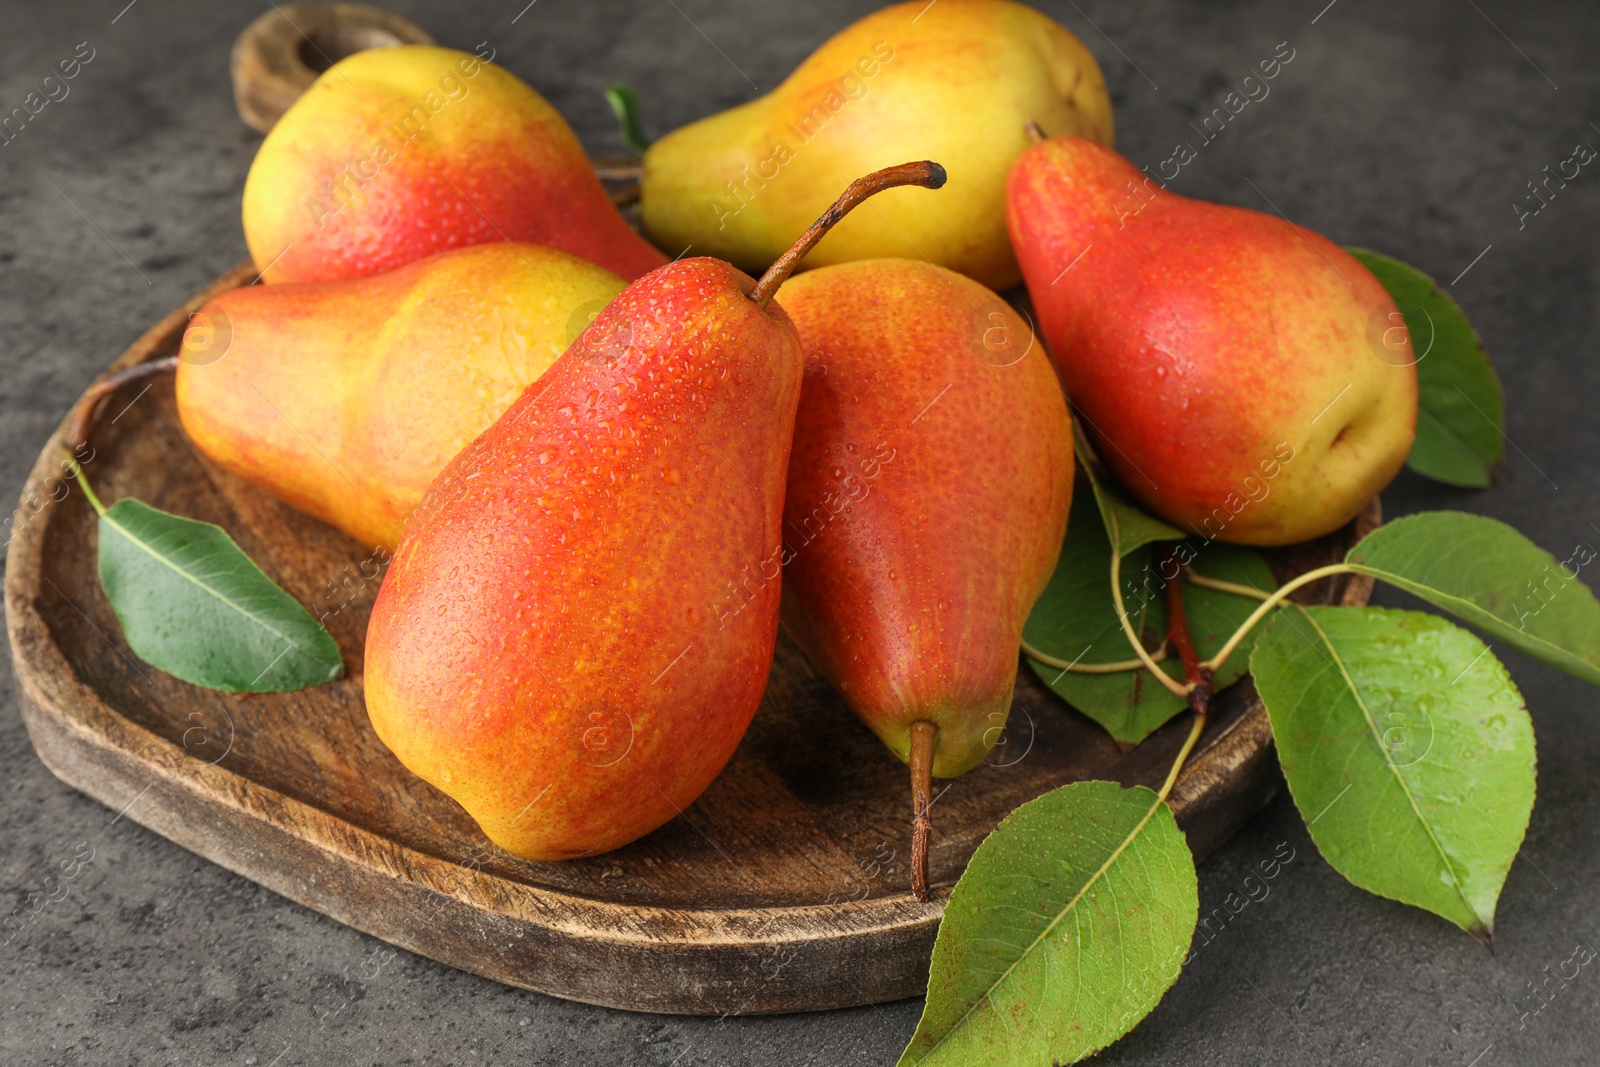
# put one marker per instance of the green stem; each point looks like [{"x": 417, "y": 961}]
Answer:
[
  {"x": 83, "y": 483},
  {"x": 1224, "y": 587},
  {"x": 81, "y": 423},
  {"x": 1178, "y": 688},
  {"x": 1092, "y": 668},
  {"x": 1183, "y": 757},
  {"x": 1278, "y": 597}
]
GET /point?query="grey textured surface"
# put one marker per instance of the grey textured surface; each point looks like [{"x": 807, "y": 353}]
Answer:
[{"x": 1406, "y": 127}]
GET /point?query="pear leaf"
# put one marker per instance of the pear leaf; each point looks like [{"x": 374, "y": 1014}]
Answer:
[
  {"x": 1075, "y": 620},
  {"x": 1407, "y": 749},
  {"x": 1129, "y": 527},
  {"x": 1071, "y": 921},
  {"x": 194, "y": 605},
  {"x": 1460, "y": 408},
  {"x": 1489, "y": 575},
  {"x": 625, "y": 105}
]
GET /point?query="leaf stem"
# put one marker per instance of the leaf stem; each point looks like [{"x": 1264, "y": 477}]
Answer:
[
  {"x": 1198, "y": 725},
  {"x": 1225, "y": 587},
  {"x": 1177, "y": 688},
  {"x": 923, "y": 736},
  {"x": 1277, "y": 597},
  {"x": 1075, "y": 667},
  {"x": 83, "y": 415},
  {"x": 83, "y": 483}
]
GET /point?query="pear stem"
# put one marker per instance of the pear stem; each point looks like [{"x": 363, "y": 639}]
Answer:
[
  {"x": 83, "y": 415},
  {"x": 925, "y": 173},
  {"x": 1198, "y": 674},
  {"x": 923, "y": 735},
  {"x": 1035, "y": 132}
]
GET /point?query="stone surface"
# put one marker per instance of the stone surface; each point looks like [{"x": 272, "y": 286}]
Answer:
[{"x": 1409, "y": 128}]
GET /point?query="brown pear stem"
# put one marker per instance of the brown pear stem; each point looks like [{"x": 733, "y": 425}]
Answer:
[
  {"x": 925, "y": 173},
  {"x": 1035, "y": 132},
  {"x": 1199, "y": 675},
  {"x": 923, "y": 735},
  {"x": 83, "y": 415}
]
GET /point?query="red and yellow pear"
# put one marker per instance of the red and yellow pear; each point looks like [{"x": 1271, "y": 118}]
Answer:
[
  {"x": 1237, "y": 372},
  {"x": 395, "y": 154},
  {"x": 345, "y": 399},
  {"x": 928, "y": 496}
]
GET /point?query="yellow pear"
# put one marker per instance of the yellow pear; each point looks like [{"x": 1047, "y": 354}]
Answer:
[{"x": 956, "y": 81}]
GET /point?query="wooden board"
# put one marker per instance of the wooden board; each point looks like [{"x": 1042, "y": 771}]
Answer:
[{"x": 784, "y": 888}]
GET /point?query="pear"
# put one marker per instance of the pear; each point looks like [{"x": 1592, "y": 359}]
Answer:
[
  {"x": 928, "y": 495},
  {"x": 547, "y": 646},
  {"x": 346, "y": 398},
  {"x": 1237, "y": 372},
  {"x": 395, "y": 154},
  {"x": 955, "y": 80}
]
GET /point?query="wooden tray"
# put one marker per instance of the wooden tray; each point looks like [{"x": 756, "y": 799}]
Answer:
[{"x": 784, "y": 888}]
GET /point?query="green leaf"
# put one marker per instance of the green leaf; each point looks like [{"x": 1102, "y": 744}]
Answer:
[
  {"x": 1460, "y": 408},
  {"x": 1486, "y": 573},
  {"x": 1075, "y": 619},
  {"x": 1407, "y": 749},
  {"x": 1070, "y": 923},
  {"x": 194, "y": 605},
  {"x": 625, "y": 105},
  {"x": 1129, "y": 526}
]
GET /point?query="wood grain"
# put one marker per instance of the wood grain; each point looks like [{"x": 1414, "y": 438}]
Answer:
[{"x": 784, "y": 888}]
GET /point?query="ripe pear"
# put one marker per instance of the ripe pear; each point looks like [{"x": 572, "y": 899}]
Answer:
[
  {"x": 395, "y": 154},
  {"x": 928, "y": 496},
  {"x": 547, "y": 646},
  {"x": 955, "y": 80},
  {"x": 1237, "y": 372},
  {"x": 346, "y": 398}
]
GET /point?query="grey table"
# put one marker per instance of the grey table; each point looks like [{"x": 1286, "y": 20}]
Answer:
[{"x": 1408, "y": 127}]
